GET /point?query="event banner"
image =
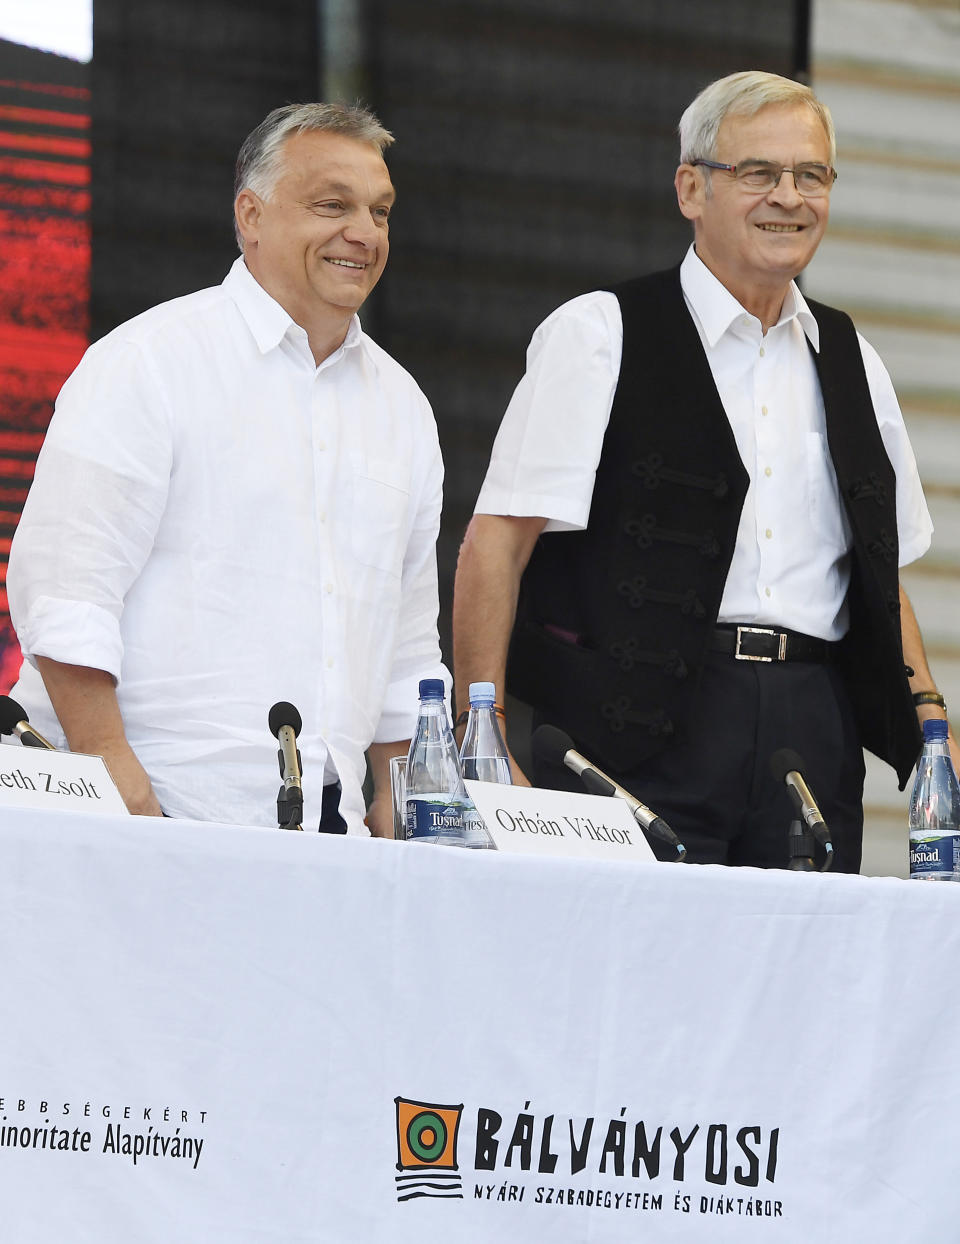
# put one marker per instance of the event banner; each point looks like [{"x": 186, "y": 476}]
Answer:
[{"x": 222, "y": 1035}]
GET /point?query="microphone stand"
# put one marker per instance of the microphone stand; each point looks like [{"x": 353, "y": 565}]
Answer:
[
  {"x": 289, "y": 809},
  {"x": 289, "y": 798},
  {"x": 802, "y": 844},
  {"x": 285, "y": 724}
]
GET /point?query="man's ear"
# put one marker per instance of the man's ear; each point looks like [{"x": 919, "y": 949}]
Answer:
[
  {"x": 248, "y": 210},
  {"x": 690, "y": 184}
]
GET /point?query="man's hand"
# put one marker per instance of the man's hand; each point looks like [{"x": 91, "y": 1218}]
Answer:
[
  {"x": 379, "y": 818},
  {"x": 85, "y": 701},
  {"x": 935, "y": 712},
  {"x": 921, "y": 679},
  {"x": 132, "y": 781}
]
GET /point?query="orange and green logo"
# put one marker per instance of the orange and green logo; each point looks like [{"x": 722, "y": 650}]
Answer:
[{"x": 427, "y": 1149}]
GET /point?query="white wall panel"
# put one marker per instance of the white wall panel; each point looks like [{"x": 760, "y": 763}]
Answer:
[{"x": 890, "y": 73}]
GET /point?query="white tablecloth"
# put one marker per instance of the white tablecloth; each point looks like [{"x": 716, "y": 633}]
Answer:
[{"x": 223, "y": 1035}]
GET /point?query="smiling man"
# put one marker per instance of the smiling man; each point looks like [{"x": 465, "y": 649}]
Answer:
[
  {"x": 711, "y": 482},
  {"x": 236, "y": 504}
]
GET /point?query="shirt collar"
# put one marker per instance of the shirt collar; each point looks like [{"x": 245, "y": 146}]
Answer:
[
  {"x": 266, "y": 319},
  {"x": 717, "y": 309}
]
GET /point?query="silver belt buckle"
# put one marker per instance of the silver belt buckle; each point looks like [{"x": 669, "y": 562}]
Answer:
[{"x": 760, "y": 630}]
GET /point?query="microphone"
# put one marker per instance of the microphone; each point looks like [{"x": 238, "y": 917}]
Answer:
[
  {"x": 14, "y": 720},
  {"x": 285, "y": 724},
  {"x": 786, "y": 766},
  {"x": 554, "y": 747}
]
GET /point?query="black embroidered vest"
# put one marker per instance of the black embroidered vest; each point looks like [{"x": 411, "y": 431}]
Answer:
[{"x": 613, "y": 622}]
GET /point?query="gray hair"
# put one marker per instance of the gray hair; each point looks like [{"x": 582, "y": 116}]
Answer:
[
  {"x": 743, "y": 94},
  {"x": 260, "y": 160}
]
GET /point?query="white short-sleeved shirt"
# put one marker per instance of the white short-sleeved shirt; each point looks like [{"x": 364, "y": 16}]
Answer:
[
  {"x": 790, "y": 565},
  {"x": 221, "y": 524}
]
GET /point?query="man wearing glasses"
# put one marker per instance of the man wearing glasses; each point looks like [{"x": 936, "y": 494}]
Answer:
[{"x": 705, "y": 485}]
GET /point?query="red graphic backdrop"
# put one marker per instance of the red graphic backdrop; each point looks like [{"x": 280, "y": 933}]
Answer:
[{"x": 44, "y": 276}]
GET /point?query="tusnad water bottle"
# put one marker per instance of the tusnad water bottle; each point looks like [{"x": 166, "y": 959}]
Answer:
[
  {"x": 935, "y": 810},
  {"x": 484, "y": 756},
  {"x": 435, "y": 794}
]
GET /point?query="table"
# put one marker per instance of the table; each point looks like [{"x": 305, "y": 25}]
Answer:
[{"x": 220, "y": 1034}]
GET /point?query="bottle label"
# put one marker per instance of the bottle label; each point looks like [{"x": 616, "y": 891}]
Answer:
[
  {"x": 935, "y": 855},
  {"x": 433, "y": 818},
  {"x": 475, "y": 832}
]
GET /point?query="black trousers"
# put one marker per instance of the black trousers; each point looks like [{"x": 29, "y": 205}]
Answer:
[
  {"x": 714, "y": 787},
  {"x": 331, "y": 822}
]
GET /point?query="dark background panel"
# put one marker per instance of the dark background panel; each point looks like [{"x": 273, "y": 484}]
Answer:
[
  {"x": 535, "y": 154},
  {"x": 177, "y": 86},
  {"x": 536, "y": 146}
]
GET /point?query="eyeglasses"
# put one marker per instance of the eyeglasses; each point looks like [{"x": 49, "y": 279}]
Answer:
[{"x": 761, "y": 176}]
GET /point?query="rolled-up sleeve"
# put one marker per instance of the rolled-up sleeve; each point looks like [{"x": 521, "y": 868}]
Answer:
[{"x": 91, "y": 517}]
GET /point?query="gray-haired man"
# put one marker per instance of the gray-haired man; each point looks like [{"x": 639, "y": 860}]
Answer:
[
  {"x": 237, "y": 503},
  {"x": 727, "y": 489}
]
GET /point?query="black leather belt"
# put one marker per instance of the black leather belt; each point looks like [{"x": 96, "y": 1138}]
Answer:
[{"x": 765, "y": 643}]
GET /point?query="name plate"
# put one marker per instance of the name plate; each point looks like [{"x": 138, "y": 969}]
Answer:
[
  {"x": 531, "y": 821},
  {"x": 32, "y": 777}
]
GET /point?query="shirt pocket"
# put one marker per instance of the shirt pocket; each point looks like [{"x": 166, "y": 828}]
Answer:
[
  {"x": 827, "y": 518},
  {"x": 381, "y": 501}
]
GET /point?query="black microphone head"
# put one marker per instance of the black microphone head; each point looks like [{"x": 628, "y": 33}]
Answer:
[
  {"x": 11, "y": 714},
  {"x": 783, "y": 762},
  {"x": 550, "y": 745},
  {"x": 284, "y": 714}
]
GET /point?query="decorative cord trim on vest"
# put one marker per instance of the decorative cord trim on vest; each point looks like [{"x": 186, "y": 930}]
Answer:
[
  {"x": 619, "y": 713},
  {"x": 885, "y": 547},
  {"x": 870, "y": 488},
  {"x": 627, "y": 654},
  {"x": 637, "y": 594},
  {"x": 644, "y": 531},
  {"x": 651, "y": 472}
]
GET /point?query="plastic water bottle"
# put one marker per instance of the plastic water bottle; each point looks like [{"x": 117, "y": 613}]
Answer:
[
  {"x": 935, "y": 810},
  {"x": 484, "y": 756},
  {"x": 435, "y": 794}
]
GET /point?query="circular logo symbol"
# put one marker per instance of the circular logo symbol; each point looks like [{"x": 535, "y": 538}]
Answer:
[{"x": 426, "y": 1136}]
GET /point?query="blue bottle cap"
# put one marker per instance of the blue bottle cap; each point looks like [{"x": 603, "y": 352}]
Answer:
[
  {"x": 431, "y": 688},
  {"x": 934, "y": 728},
  {"x": 482, "y": 691}
]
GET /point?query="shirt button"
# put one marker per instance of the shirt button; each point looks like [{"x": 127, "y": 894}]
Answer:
[
  {"x": 769, "y": 534},
  {"x": 321, "y": 445},
  {"x": 329, "y": 663},
  {"x": 322, "y": 516},
  {"x": 328, "y": 587},
  {"x": 766, "y": 591},
  {"x": 763, "y": 410},
  {"x": 767, "y": 471},
  {"x": 762, "y": 351}
]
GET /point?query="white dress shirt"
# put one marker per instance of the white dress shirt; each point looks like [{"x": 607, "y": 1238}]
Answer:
[
  {"x": 222, "y": 524},
  {"x": 790, "y": 566}
]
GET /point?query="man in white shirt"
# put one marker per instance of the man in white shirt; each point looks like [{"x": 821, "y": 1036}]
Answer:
[
  {"x": 237, "y": 504},
  {"x": 735, "y": 488}
]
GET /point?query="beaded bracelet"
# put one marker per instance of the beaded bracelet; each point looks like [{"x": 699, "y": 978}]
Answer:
[{"x": 462, "y": 719}]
